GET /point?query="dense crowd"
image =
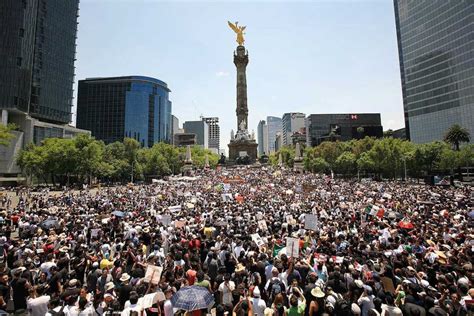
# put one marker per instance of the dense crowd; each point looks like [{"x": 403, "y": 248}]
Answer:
[{"x": 371, "y": 248}]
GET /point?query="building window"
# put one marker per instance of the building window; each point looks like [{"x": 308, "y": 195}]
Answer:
[
  {"x": 21, "y": 32},
  {"x": 18, "y": 61}
]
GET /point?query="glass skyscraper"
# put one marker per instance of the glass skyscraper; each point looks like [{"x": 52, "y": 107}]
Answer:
[
  {"x": 436, "y": 53},
  {"x": 133, "y": 106},
  {"x": 37, "y": 54},
  {"x": 274, "y": 126}
]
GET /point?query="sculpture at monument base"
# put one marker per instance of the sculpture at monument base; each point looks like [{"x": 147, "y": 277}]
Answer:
[
  {"x": 298, "y": 161},
  {"x": 187, "y": 168}
]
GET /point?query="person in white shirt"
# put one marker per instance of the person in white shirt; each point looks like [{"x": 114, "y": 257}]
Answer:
[
  {"x": 257, "y": 303},
  {"x": 37, "y": 303},
  {"x": 168, "y": 306},
  {"x": 225, "y": 289},
  {"x": 390, "y": 309},
  {"x": 134, "y": 307}
]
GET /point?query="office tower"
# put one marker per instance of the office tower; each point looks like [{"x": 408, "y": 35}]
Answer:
[
  {"x": 262, "y": 138},
  {"x": 291, "y": 122},
  {"x": 214, "y": 133},
  {"x": 274, "y": 126},
  {"x": 201, "y": 129},
  {"x": 37, "y": 55},
  {"x": 131, "y": 106},
  {"x": 343, "y": 127},
  {"x": 436, "y": 49},
  {"x": 174, "y": 127}
]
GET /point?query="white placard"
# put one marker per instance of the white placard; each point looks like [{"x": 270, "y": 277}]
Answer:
[
  {"x": 153, "y": 274},
  {"x": 311, "y": 222},
  {"x": 166, "y": 219},
  {"x": 262, "y": 225},
  {"x": 292, "y": 247},
  {"x": 257, "y": 239}
]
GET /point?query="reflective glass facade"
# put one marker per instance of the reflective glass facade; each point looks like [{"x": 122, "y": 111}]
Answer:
[
  {"x": 114, "y": 108},
  {"x": 274, "y": 125},
  {"x": 342, "y": 126},
  {"x": 37, "y": 54},
  {"x": 436, "y": 53}
]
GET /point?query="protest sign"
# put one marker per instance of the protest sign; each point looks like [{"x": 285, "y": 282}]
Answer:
[
  {"x": 262, "y": 225},
  {"x": 95, "y": 232},
  {"x": 388, "y": 285},
  {"x": 292, "y": 247},
  {"x": 153, "y": 274},
  {"x": 311, "y": 222},
  {"x": 227, "y": 197},
  {"x": 165, "y": 219},
  {"x": 179, "y": 224},
  {"x": 148, "y": 300},
  {"x": 174, "y": 208},
  {"x": 257, "y": 239}
]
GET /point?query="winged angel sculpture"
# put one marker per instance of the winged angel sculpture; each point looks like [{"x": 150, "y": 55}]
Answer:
[{"x": 239, "y": 30}]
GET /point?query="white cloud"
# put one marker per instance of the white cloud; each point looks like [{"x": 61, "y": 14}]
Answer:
[{"x": 222, "y": 74}]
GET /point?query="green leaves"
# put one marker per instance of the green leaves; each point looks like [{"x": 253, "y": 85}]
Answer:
[{"x": 457, "y": 135}]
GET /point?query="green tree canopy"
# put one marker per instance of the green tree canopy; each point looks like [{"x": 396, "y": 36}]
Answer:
[{"x": 457, "y": 135}]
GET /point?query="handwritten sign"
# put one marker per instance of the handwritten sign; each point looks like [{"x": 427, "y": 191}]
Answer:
[
  {"x": 292, "y": 247},
  {"x": 166, "y": 219},
  {"x": 179, "y": 224},
  {"x": 153, "y": 274},
  {"x": 262, "y": 225},
  {"x": 95, "y": 232}
]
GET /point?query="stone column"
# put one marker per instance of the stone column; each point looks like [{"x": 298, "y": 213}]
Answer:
[{"x": 241, "y": 60}]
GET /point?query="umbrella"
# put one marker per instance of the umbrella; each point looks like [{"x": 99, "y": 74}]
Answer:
[
  {"x": 118, "y": 213},
  {"x": 50, "y": 223},
  {"x": 191, "y": 298},
  {"x": 471, "y": 214},
  {"x": 405, "y": 224}
]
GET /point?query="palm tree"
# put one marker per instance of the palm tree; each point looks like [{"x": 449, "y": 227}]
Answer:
[
  {"x": 456, "y": 135},
  {"x": 360, "y": 131}
]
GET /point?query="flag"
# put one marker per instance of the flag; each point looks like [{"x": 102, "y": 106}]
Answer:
[
  {"x": 380, "y": 213},
  {"x": 277, "y": 248}
]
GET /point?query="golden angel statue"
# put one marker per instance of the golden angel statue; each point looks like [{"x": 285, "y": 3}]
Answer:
[{"x": 239, "y": 30}]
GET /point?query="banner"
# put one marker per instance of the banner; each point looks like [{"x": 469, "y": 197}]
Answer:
[
  {"x": 311, "y": 222},
  {"x": 153, "y": 274}
]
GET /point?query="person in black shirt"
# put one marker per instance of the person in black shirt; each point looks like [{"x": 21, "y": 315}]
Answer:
[{"x": 20, "y": 290}]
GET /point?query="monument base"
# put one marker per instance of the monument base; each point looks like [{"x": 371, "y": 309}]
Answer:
[
  {"x": 187, "y": 169},
  {"x": 298, "y": 166},
  {"x": 240, "y": 148}
]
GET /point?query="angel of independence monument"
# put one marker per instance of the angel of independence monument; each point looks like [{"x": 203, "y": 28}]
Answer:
[{"x": 241, "y": 145}]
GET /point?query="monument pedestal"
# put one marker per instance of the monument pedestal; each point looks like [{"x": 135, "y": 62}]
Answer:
[
  {"x": 298, "y": 166},
  {"x": 241, "y": 148}
]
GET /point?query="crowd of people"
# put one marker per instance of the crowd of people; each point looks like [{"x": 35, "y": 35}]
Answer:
[{"x": 362, "y": 248}]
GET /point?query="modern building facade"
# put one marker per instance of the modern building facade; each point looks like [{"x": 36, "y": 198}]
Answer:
[
  {"x": 184, "y": 139},
  {"x": 201, "y": 129},
  {"x": 291, "y": 122},
  {"x": 174, "y": 125},
  {"x": 278, "y": 141},
  {"x": 343, "y": 127},
  {"x": 132, "y": 106},
  {"x": 262, "y": 138},
  {"x": 274, "y": 125},
  {"x": 214, "y": 133},
  {"x": 37, "y": 55},
  {"x": 436, "y": 54}
]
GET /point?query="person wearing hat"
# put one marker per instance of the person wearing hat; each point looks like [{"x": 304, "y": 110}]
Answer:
[
  {"x": 125, "y": 289},
  {"x": 317, "y": 304},
  {"x": 258, "y": 304}
]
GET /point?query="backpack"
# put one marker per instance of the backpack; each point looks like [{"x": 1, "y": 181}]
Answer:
[
  {"x": 342, "y": 307},
  {"x": 276, "y": 286}
]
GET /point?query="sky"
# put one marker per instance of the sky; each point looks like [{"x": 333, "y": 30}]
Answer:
[{"x": 313, "y": 57}]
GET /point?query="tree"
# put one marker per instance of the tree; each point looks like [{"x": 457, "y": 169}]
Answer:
[
  {"x": 346, "y": 163},
  {"x": 90, "y": 157},
  {"x": 132, "y": 147},
  {"x": 456, "y": 135},
  {"x": 365, "y": 163},
  {"x": 360, "y": 131},
  {"x": 388, "y": 133},
  {"x": 319, "y": 165},
  {"x": 6, "y": 134}
]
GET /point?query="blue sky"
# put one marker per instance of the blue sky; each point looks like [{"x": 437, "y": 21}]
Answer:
[{"x": 305, "y": 56}]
